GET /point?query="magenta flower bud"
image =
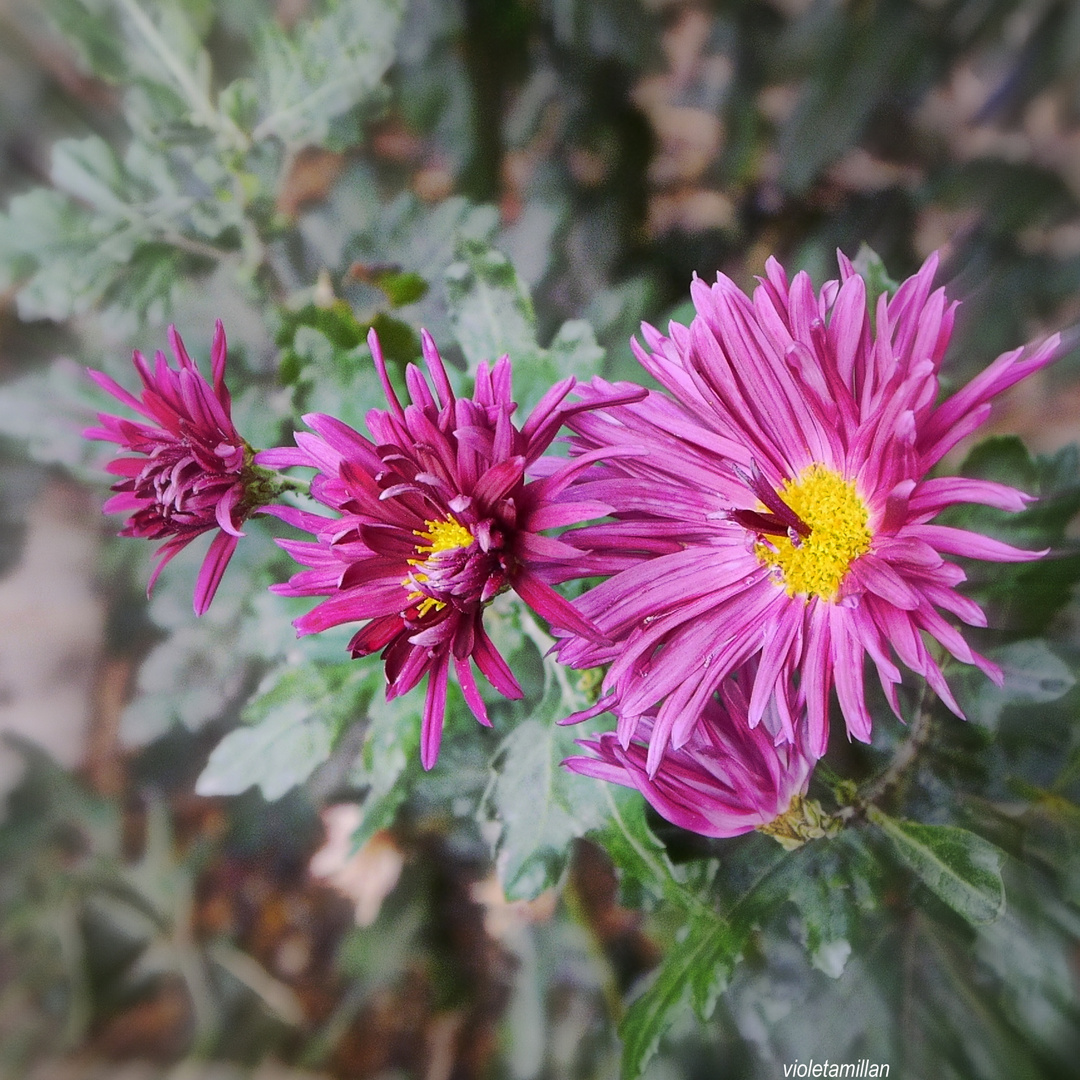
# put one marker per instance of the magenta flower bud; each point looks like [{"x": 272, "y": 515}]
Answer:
[
  {"x": 191, "y": 471},
  {"x": 726, "y": 779},
  {"x": 782, "y": 508},
  {"x": 435, "y": 519}
]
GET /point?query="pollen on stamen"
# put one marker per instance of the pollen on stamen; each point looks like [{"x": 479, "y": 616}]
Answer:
[
  {"x": 839, "y": 534},
  {"x": 447, "y": 534}
]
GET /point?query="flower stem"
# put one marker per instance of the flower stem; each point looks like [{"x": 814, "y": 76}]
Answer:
[
  {"x": 902, "y": 759},
  {"x": 292, "y": 483}
]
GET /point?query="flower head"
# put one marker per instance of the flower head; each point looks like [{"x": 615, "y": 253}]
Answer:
[
  {"x": 726, "y": 779},
  {"x": 436, "y": 518},
  {"x": 191, "y": 471},
  {"x": 783, "y": 510}
]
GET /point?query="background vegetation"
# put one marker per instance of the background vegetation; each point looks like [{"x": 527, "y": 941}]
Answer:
[{"x": 536, "y": 177}]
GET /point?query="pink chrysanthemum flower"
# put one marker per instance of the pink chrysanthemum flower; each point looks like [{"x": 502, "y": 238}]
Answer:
[
  {"x": 726, "y": 779},
  {"x": 192, "y": 472},
  {"x": 436, "y": 519},
  {"x": 782, "y": 509}
]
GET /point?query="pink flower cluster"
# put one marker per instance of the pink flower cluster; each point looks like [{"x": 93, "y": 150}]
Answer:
[{"x": 763, "y": 524}]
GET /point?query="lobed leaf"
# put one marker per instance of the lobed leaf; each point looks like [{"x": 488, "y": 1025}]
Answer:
[
  {"x": 293, "y": 724},
  {"x": 332, "y": 64},
  {"x": 696, "y": 969},
  {"x": 492, "y": 315}
]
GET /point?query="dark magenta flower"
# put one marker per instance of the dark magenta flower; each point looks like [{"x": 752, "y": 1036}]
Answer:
[
  {"x": 782, "y": 509},
  {"x": 726, "y": 779},
  {"x": 191, "y": 471},
  {"x": 436, "y": 519}
]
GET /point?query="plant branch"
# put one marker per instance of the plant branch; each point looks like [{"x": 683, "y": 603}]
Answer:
[{"x": 902, "y": 759}]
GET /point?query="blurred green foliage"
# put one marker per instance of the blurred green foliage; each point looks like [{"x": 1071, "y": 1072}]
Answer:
[{"x": 532, "y": 177}]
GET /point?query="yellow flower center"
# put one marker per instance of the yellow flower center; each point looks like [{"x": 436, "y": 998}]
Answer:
[
  {"x": 839, "y": 534},
  {"x": 446, "y": 535},
  {"x": 443, "y": 535}
]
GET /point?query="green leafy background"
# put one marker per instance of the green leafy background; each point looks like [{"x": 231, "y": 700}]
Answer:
[{"x": 532, "y": 177}]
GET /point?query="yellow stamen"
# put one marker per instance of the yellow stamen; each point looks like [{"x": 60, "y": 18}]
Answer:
[
  {"x": 446, "y": 535},
  {"x": 838, "y": 519},
  {"x": 443, "y": 535}
]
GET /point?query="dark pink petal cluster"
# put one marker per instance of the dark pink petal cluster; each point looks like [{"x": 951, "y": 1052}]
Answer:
[
  {"x": 186, "y": 470},
  {"x": 435, "y": 518},
  {"x": 781, "y": 509},
  {"x": 726, "y": 779}
]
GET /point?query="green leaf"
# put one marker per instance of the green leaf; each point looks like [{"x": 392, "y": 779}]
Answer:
[
  {"x": 45, "y": 412},
  {"x": 635, "y": 849},
  {"x": 401, "y": 287},
  {"x": 490, "y": 307},
  {"x": 871, "y": 268},
  {"x": 1024, "y": 596},
  {"x": 534, "y": 808},
  {"x": 958, "y": 866},
  {"x": 190, "y": 677},
  {"x": 574, "y": 351},
  {"x": 1034, "y": 674},
  {"x": 493, "y": 315},
  {"x": 331, "y": 65},
  {"x": 538, "y": 806},
  {"x": 92, "y": 27},
  {"x": 117, "y": 232},
  {"x": 697, "y": 968},
  {"x": 832, "y": 884},
  {"x": 388, "y": 763},
  {"x": 294, "y": 722}
]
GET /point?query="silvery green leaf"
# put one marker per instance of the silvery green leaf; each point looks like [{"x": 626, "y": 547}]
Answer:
[
  {"x": 958, "y": 866},
  {"x": 696, "y": 968},
  {"x": 326, "y": 68},
  {"x": 534, "y": 808},
  {"x": 492, "y": 315},
  {"x": 291, "y": 727},
  {"x": 490, "y": 307},
  {"x": 1034, "y": 675}
]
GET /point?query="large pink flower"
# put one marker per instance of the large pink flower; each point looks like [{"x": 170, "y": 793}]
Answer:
[
  {"x": 782, "y": 508},
  {"x": 436, "y": 519},
  {"x": 192, "y": 472},
  {"x": 726, "y": 779}
]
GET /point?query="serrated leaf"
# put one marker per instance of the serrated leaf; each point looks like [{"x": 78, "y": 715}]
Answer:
[
  {"x": 540, "y": 807},
  {"x": 389, "y": 759},
  {"x": 188, "y": 678},
  {"x": 92, "y": 27},
  {"x": 574, "y": 351},
  {"x": 491, "y": 310},
  {"x": 327, "y": 68},
  {"x": 294, "y": 723},
  {"x": 696, "y": 968},
  {"x": 830, "y": 884},
  {"x": 534, "y": 807},
  {"x": 492, "y": 315},
  {"x": 117, "y": 232},
  {"x": 635, "y": 849},
  {"x": 958, "y": 866},
  {"x": 354, "y": 227}
]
